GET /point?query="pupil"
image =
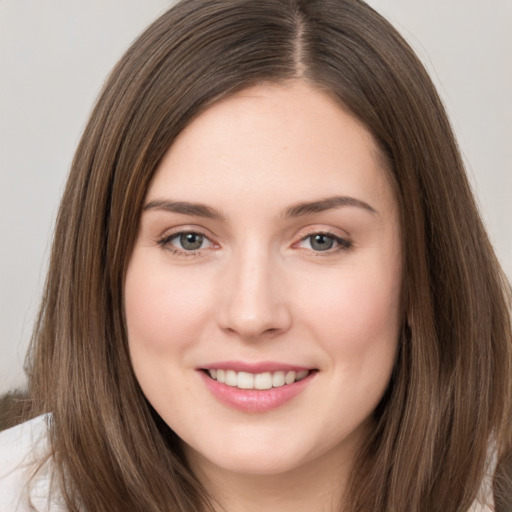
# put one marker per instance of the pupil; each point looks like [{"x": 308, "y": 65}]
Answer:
[
  {"x": 321, "y": 242},
  {"x": 191, "y": 241}
]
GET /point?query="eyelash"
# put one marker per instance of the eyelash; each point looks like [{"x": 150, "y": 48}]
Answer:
[{"x": 342, "y": 244}]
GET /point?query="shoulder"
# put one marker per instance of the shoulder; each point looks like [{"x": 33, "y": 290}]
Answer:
[
  {"x": 24, "y": 478},
  {"x": 17, "y": 442}
]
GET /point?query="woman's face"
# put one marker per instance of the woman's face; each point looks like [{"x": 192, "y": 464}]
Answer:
[{"x": 263, "y": 294}]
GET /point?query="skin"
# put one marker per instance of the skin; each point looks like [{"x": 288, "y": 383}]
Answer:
[{"x": 259, "y": 289}]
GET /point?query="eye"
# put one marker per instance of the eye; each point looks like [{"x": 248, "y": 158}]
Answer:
[
  {"x": 186, "y": 242},
  {"x": 323, "y": 242},
  {"x": 190, "y": 241}
]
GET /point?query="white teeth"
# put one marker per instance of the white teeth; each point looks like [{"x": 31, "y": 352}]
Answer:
[
  {"x": 245, "y": 380},
  {"x": 263, "y": 380},
  {"x": 290, "y": 377},
  {"x": 266, "y": 380},
  {"x": 230, "y": 378},
  {"x": 301, "y": 374},
  {"x": 278, "y": 379}
]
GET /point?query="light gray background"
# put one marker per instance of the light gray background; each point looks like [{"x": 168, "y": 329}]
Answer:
[{"x": 55, "y": 55}]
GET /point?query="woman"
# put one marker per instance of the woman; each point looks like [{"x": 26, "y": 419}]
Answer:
[{"x": 269, "y": 287}]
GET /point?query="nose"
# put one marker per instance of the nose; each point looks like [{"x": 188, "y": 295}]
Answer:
[{"x": 254, "y": 301}]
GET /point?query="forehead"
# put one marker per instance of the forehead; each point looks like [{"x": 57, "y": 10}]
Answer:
[{"x": 286, "y": 142}]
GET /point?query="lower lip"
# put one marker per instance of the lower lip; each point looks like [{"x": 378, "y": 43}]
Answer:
[{"x": 255, "y": 400}]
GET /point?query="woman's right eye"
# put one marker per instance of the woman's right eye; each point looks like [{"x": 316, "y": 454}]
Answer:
[{"x": 185, "y": 242}]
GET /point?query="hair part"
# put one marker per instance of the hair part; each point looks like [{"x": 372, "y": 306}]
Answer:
[{"x": 450, "y": 394}]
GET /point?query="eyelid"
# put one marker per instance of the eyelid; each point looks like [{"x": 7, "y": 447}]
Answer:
[{"x": 321, "y": 229}]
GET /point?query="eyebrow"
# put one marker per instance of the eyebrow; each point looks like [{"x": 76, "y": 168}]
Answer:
[
  {"x": 296, "y": 210},
  {"x": 186, "y": 208},
  {"x": 329, "y": 203}
]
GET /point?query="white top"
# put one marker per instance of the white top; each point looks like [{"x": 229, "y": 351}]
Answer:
[
  {"x": 21, "y": 450},
  {"x": 23, "y": 446}
]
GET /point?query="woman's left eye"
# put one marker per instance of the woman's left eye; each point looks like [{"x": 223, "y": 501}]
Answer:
[
  {"x": 187, "y": 241},
  {"x": 324, "y": 242}
]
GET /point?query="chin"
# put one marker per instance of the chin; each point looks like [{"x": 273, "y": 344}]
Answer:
[{"x": 253, "y": 459}]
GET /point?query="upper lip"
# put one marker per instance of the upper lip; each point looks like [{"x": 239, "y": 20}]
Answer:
[{"x": 254, "y": 367}]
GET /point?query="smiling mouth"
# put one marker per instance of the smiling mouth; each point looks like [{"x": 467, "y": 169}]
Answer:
[{"x": 258, "y": 381}]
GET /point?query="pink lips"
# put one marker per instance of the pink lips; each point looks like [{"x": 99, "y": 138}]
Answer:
[{"x": 254, "y": 400}]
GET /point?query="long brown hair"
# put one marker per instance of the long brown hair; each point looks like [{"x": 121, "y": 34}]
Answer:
[{"x": 449, "y": 400}]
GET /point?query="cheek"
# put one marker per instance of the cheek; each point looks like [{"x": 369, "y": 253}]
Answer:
[
  {"x": 357, "y": 318},
  {"x": 163, "y": 309}
]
